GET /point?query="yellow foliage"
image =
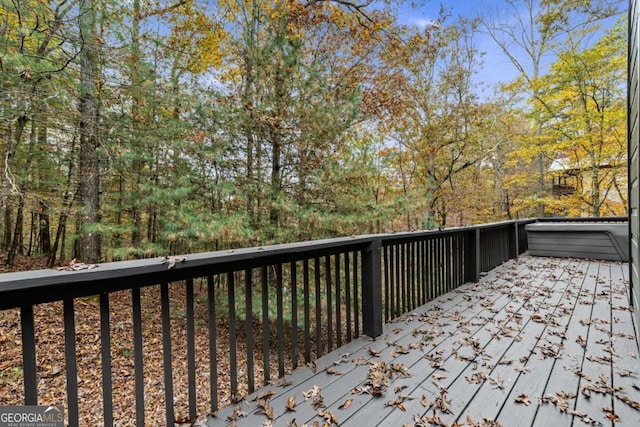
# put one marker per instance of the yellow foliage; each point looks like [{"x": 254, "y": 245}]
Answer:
[{"x": 197, "y": 37}]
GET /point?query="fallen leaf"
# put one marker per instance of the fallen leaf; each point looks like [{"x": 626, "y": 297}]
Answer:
[
  {"x": 77, "y": 266},
  {"x": 583, "y": 375},
  {"x": 327, "y": 415},
  {"x": 313, "y": 392},
  {"x": 360, "y": 390},
  {"x": 611, "y": 350},
  {"x": 266, "y": 395},
  {"x": 442, "y": 402},
  {"x": 537, "y": 318},
  {"x": 497, "y": 383},
  {"x": 430, "y": 419},
  {"x": 423, "y": 401},
  {"x": 400, "y": 370},
  {"x": 614, "y": 417},
  {"x": 559, "y": 400},
  {"x": 291, "y": 404},
  {"x": 237, "y": 413},
  {"x": 318, "y": 402},
  {"x": 281, "y": 382},
  {"x": 632, "y": 403},
  {"x": 345, "y": 404},
  {"x": 329, "y": 370},
  {"x": 265, "y": 407},
  {"x": 476, "y": 378},
  {"x": 378, "y": 378},
  {"x": 343, "y": 358},
  {"x": 399, "y": 388},
  {"x": 171, "y": 260},
  {"x": 524, "y": 399}
]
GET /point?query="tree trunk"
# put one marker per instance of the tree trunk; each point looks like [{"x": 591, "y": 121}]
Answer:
[
  {"x": 117, "y": 238},
  {"x": 33, "y": 235},
  {"x": 53, "y": 252},
  {"x": 595, "y": 190},
  {"x": 137, "y": 164},
  {"x": 275, "y": 129},
  {"x": 6, "y": 190},
  {"x": 17, "y": 244},
  {"x": 276, "y": 181},
  {"x": 6, "y": 238},
  {"x": 67, "y": 201},
  {"x": 88, "y": 245},
  {"x": 43, "y": 242},
  {"x": 9, "y": 186},
  {"x": 44, "y": 229}
]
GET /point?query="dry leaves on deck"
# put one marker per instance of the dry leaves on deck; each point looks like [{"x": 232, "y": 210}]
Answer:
[
  {"x": 264, "y": 406},
  {"x": 172, "y": 260},
  {"x": 559, "y": 400},
  {"x": 77, "y": 266},
  {"x": 291, "y": 404},
  {"x": 237, "y": 413},
  {"x": 377, "y": 379},
  {"x": 524, "y": 399},
  {"x": 345, "y": 404},
  {"x": 329, "y": 370},
  {"x": 329, "y": 417}
]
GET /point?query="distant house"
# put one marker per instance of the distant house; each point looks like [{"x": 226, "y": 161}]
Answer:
[
  {"x": 569, "y": 176},
  {"x": 563, "y": 176}
]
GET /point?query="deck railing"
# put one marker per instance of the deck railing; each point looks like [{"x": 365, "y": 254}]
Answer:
[{"x": 265, "y": 311}]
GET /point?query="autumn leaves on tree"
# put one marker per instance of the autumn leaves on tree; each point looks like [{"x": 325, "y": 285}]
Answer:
[{"x": 142, "y": 128}]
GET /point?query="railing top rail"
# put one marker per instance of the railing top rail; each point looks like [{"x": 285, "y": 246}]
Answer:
[
  {"x": 38, "y": 286},
  {"x": 34, "y": 287},
  {"x": 584, "y": 219},
  {"x": 386, "y": 238}
]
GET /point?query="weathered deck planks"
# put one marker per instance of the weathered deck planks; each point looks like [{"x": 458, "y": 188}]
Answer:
[{"x": 554, "y": 333}]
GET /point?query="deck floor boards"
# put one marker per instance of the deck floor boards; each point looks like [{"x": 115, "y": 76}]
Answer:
[{"x": 537, "y": 342}]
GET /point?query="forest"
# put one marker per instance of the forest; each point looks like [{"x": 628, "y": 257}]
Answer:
[{"x": 141, "y": 128}]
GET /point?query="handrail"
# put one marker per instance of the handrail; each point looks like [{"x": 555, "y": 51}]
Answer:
[
  {"x": 17, "y": 288},
  {"x": 332, "y": 290}
]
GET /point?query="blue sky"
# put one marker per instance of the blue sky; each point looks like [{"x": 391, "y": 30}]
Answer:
[{"x": 497, "y": 67}]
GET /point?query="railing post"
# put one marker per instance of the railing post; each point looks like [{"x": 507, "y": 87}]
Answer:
[
  {"x": 472, "y": 256},
  {"x": 29, "y": 356},
  {"x": 516, "y": 248},
  {"x": 372, "y": 289}
]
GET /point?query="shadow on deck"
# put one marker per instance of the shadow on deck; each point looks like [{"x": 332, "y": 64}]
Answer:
[{"x": 537, "y": 342}]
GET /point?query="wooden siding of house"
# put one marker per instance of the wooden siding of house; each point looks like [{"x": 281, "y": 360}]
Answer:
[{"x": 634, "y": 160}]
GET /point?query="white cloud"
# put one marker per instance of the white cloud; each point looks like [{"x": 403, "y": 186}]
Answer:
[{"x": 423, "y": 23}]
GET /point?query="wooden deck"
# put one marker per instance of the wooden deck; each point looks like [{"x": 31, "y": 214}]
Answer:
[{"x": 537, "y": 342}]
